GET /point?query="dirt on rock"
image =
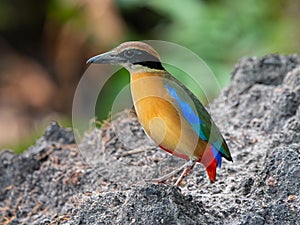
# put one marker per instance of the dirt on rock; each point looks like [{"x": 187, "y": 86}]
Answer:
[{"x": 103, "y": 179}]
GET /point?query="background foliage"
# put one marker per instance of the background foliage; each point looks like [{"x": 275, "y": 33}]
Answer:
[{"x": 45, "y": 45}]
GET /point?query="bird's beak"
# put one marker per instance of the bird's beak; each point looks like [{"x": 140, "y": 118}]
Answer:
[{"x": 106, "y": 58}]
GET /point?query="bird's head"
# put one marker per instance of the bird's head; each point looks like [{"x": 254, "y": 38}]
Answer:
[{"x": 134, "y": 56}]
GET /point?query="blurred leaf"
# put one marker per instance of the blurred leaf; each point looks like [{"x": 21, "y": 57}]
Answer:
[{"x": 64, "y": 10}]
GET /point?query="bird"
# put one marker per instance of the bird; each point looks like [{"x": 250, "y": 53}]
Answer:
[{"x": 171, "y": 115}]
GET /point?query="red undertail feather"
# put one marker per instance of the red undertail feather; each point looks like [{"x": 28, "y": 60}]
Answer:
[
  {"x": 210, "y": 162},
  {"x": 212, "y": 170}
]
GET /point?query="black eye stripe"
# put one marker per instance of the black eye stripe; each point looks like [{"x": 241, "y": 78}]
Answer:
[{"x": 151, "y": 64}]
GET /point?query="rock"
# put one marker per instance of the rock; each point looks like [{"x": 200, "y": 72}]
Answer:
[
  {"x": 161, "y": 204},
  {"x": 57, "y": 134},
  {"x": 102, "y": 181}
]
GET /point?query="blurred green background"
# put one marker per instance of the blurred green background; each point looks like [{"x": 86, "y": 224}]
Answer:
[{"x": 45, "y": 44}]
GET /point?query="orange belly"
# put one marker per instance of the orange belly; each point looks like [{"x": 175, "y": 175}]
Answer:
[{"x": 162, "y": 120}]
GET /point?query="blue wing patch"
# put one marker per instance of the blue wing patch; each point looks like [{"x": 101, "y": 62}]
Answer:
[{"x": 188, "y": 112}]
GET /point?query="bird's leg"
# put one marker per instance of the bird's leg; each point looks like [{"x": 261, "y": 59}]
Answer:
[
  {"x": 188, "y": 167},
  {"x": 167, "y": 176}
]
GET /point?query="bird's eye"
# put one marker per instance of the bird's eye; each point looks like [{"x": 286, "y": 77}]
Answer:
[{"x": 129, "y": 54}]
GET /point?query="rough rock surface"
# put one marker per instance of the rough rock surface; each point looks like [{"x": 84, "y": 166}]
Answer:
[{"x": 104, "y": 181}]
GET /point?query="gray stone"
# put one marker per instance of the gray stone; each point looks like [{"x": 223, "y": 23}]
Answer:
[{"x": 102, "y": 180}]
